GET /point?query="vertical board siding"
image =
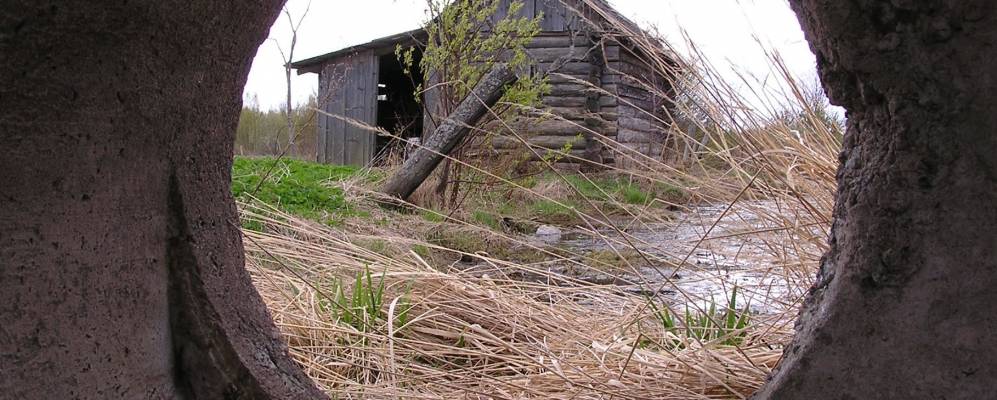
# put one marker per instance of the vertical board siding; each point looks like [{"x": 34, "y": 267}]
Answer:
[
  {"x": 323, "y": 101},
  {"x": 335, "y": 127},
  {"x": 361, "y": 88},
  {"x": 350, "y": 87},
  {"x": 374, "y": 79},
  {"x": 557, "y": 16},
  {"x": 352, "y": 151},
  {"x": 528, "y": 11}
]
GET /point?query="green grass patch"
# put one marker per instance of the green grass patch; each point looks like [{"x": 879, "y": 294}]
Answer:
[
  {"x": 297, "y": 187},
  {"x": 422, "y": 251},
  {"x": 632, "y": 194},
  {"x": 672, "y": 193},
  {"x": 551, "y": 212},
  {"x": 606, "y": 189},
  {"x": 594, "y": 189},
  {"x": 433, "y": 216},
  {"x": 725, "y": 326},
  {"x": 363, "y": 306},
  {"x": 486, "y": 219},
  {"x": 462, "y": 241}
]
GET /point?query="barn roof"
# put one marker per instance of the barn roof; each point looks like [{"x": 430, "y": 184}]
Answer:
[
  {"x": 611, "y": 16},
  {"x": 610, "y": 20},
  {"x": 404, "y": 38}
]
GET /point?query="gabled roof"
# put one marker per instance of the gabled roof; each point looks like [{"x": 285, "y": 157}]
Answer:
[
  {"x": 404, "y": 38},
  {"x": 610, "y": 20},
  {"x": 612, "y": 16}
]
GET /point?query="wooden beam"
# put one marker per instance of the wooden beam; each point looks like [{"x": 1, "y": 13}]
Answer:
[{"x": 450, "y": 133}]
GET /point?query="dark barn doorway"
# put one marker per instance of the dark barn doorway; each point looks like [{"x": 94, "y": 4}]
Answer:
[{"x": 399, "y": 109}]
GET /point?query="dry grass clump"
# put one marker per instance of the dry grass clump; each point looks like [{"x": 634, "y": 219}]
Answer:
[{"x": 440, "y": 335}]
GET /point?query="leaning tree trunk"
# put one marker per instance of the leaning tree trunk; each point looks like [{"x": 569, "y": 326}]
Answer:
[
  {"x": 121, "y": 266},
  {"x": 905, "y": 304},
  {"x": 450, "y": 133}
]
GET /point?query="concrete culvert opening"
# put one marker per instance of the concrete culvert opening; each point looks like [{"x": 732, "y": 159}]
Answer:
[{"x": 122, "y": 272}]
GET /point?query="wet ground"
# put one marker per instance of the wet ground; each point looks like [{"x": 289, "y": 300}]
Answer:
[{"x": 681, "y": 267}]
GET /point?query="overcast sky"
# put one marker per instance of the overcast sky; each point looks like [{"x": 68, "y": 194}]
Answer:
[{"x": 725, "y": 30}]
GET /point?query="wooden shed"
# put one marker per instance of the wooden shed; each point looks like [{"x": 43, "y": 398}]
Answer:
[{"x": 585, "y": 44}]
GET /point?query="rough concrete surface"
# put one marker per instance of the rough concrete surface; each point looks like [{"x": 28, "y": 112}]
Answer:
[
  {"x": 121, "y": 272},
  {"x": 906, "y": 304}
]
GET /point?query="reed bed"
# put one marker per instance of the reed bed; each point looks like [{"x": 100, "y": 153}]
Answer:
[{"x": 478, "y": 337}]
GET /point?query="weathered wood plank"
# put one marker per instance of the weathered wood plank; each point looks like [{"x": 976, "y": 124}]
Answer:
[
  {"x": 612, "y": 53},
  {"x": 624, "y": 103},
  {"x": 558, "y": 101},
  {"x": 580, "y": 69},
  {"x": 627, "y": 135},
  {"x": 653, "y": 150},
  {"x": 570, "y": 89},
  {"x": 553, "y": 54},
  {"x": 611, "y": 116},
  {"x": 568, "y": 113},
  {"x": 322, "y": 133},
  {"x": 626, "y": 68},
  {"x": 528, "y": 11},
  {"x": 549, "y": 142},
  {"x": 559, "y": 40},
  {"x": 611, "y": 77},
  {"x": 337, "y": 106},
  {"x": 638, "y": 124},
  {"x": 557, "y": 18},
  {"x": 631, "y": 92},
  {"x": 608, "y": 101},
  {"x": 627, "y": 110},
  {"x": 571, "y": 157},
  {"x": 530, "y": 126},
  {"x": 360, "y": 103},
  {"x": 594, "y": 151}
]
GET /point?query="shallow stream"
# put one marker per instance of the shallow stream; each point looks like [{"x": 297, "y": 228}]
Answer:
[{"x": 679, "y": 265}]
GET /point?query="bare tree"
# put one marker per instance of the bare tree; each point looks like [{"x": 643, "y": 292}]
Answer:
[{"x": 288, "y": 59}]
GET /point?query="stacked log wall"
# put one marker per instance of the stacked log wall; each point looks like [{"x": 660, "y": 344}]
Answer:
[
  {"x": 627, "y": 111},
  {"x": 583, "y": 113},
  {"x": 641, "y": 95}
]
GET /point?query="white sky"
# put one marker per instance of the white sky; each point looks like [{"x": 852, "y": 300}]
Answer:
[{"x": 725, "y": 30}]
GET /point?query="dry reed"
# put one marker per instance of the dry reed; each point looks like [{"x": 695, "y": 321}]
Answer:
[{"x": 441, "y": 333}]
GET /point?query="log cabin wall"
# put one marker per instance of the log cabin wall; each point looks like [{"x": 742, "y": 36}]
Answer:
[
  {"x": 642, "y": 97},
  {"x": 629, "y": 110},
  {"x": 624, "y": 122},
  {"x": 574, "y": 82}
]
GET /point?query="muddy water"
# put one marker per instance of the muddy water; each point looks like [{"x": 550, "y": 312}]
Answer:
[
  {"x": 694, "y": 259},
  {"x": 685, "y": 268}
]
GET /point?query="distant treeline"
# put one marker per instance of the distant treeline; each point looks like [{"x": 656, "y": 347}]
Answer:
[{"x": 264, "y": 132}]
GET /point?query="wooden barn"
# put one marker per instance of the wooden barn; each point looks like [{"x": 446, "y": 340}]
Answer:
[{"x": 584, "y": 44}]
